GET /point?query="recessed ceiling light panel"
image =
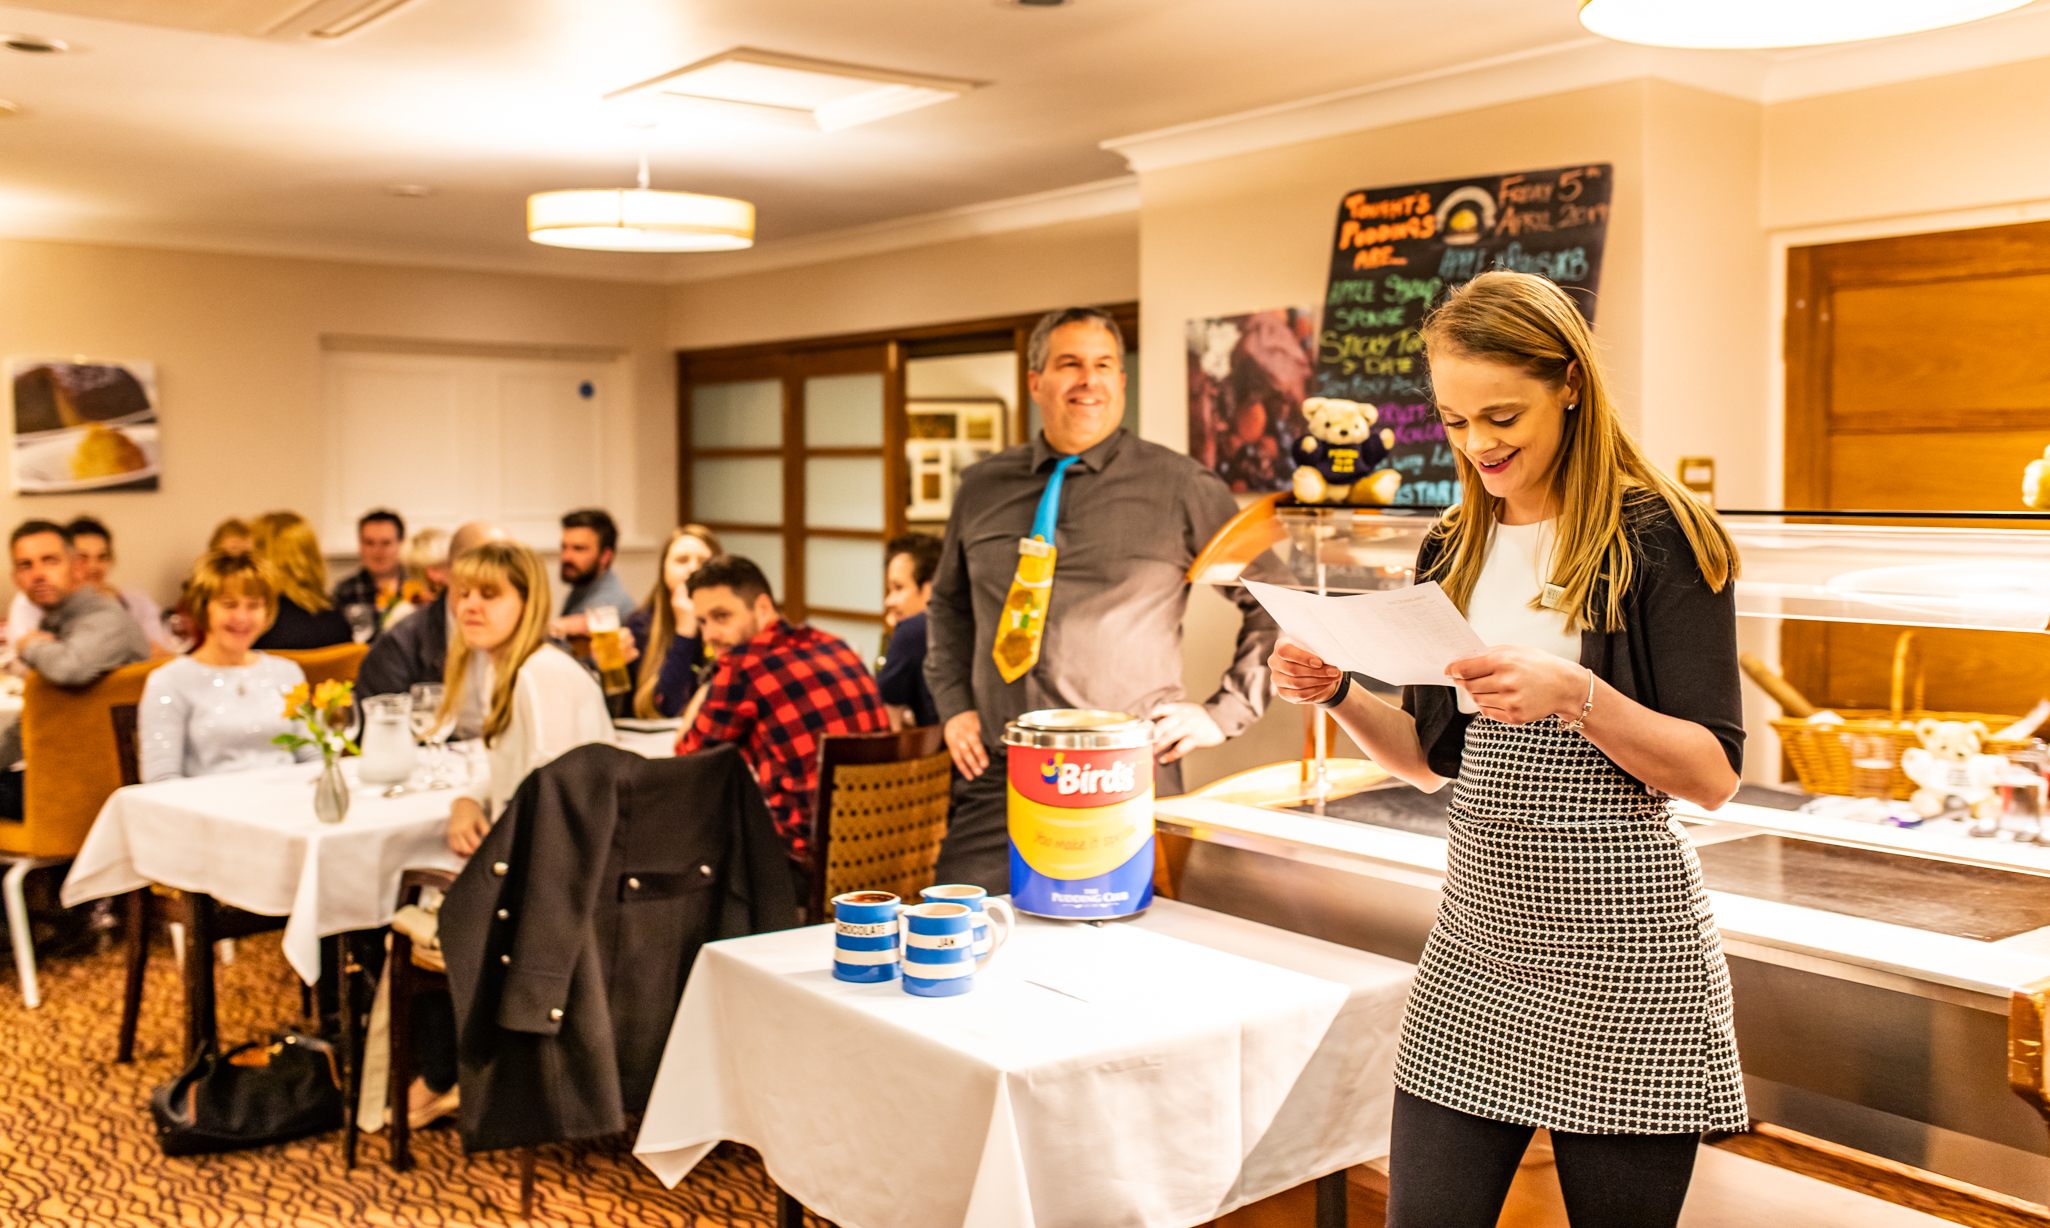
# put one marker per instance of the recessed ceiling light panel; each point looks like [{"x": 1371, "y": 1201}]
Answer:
[
  {"x": 790, "y": 91},
  {"x": 1758, "y": 24}
]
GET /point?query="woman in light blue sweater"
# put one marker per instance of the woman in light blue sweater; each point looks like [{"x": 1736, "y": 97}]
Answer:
[{"x": 217, "y": 709}]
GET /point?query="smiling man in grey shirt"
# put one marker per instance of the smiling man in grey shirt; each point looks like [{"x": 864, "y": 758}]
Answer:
[
  {"x": 84, "y": 635},
  {"x": 1132, "y": 517}
]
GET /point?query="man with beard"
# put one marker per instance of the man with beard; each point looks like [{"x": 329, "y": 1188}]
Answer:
[
  {"x": 589, "y": 540},
  {"x": 776, "y": 688}
]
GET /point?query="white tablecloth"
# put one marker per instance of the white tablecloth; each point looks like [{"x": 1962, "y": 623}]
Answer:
[
  {"x": 1153, "y": 1073},
  {"x": 249, "y": 839}
]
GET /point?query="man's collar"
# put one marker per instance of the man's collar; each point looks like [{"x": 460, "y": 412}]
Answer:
[{"x": 1093, "y": 459}]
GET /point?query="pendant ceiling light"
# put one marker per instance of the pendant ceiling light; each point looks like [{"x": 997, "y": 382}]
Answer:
[
  {"x": 1736, "y": 24},
  {"x": 640, "y": 219}
]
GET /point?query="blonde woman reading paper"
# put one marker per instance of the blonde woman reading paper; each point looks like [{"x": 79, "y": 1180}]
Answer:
[{"x": 1574, "y": 979}]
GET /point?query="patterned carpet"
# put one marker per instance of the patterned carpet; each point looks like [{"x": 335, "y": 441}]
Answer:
[{"x": 77, "y": 1148}]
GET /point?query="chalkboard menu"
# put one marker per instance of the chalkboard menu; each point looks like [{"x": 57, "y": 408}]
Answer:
[{"x": 1395, "y": 254}]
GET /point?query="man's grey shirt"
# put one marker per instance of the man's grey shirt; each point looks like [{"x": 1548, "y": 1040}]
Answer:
[
  {"x": 95, "y": 636},
  {"x": 604, "y": 590},
  {"x": 1133, "y": 516}
]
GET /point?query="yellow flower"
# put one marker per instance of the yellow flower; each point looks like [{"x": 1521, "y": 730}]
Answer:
[
  {"x": 327, "y": 694},
  {"x": 295, "y": 699}
]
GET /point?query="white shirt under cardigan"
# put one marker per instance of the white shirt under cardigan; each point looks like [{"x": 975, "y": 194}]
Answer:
[
  {"x": 557, "y": 706},
  {"x": 197, "y": 719},
  {"x": 1514, "y": 573}
]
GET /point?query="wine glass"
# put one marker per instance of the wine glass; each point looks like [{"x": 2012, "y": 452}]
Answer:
[
  {"x": 429, "y": 727},
  {"x": 362, "y": 620}
]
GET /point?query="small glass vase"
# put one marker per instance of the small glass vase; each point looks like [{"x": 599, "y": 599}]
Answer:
[{"x": 331, "y": 793}]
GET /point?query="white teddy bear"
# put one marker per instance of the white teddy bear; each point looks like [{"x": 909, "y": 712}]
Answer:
[{"x": 1948, "y": 765}]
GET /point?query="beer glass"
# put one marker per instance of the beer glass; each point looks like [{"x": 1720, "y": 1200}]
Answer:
[{"x": 608, "y": 650}]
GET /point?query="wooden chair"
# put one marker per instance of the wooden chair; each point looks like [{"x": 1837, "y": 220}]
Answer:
[
  {"x": 119, "y": 726},
  {"x": 67, "y": 727},
  {"x": 879, "y": 814},
  {"x": 407, "y": 980},
  {"x": 220, "y": 924}
]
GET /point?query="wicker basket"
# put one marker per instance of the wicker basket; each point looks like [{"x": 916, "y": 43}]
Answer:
[{"x": 1821, "y": 754}]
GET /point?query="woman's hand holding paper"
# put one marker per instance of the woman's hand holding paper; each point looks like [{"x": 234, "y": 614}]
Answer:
[
  {"x": 1517, "y": 685},
  {"x": 1301, "y": 676}
]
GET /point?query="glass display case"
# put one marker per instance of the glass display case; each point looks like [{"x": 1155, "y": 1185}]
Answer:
[{"x": 1990, "y": 574}]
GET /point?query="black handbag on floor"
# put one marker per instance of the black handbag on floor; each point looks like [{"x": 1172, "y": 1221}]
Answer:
[{"x": 254, "y": 1094}]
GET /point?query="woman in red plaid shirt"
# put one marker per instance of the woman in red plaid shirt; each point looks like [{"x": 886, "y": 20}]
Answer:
[{"x": 776, "y": 688}]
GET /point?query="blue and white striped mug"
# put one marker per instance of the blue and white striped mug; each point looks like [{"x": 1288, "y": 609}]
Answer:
[
  {"x": 939, "y": 949},
  {"x": 978, "y": 902},
  {"x": 865, "y": 936}
]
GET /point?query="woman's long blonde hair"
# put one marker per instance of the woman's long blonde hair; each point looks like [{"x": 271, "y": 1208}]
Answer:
[
  {"x": 662, "y": 619},
  {"x": 1601, "y": 477},
  {"x": 286, "y": 542},
  {"x": 497, "y": 565}
]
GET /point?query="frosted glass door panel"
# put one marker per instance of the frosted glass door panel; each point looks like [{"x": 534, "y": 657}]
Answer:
[
  {"x": 743, "y": 491},
  {"x": 843, "y": 411},
  {"x": 744, "y": 414},
  {"x": 843, "y": 494},
  {"x": 764, "y": 550},
  {"x": 843, "y": 575},
  {"x": 865, "y": 638}
]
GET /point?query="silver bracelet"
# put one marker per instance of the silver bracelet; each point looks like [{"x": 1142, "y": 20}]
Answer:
[{"x": 1579, "y": 723}]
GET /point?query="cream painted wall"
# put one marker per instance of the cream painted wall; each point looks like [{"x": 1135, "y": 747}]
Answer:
[
  {"x": 1706, "y": 323},
  {"x": 1090, "y": 261},
  {"x": 1957, "y": 142},
  {"x": 236, "y": 341}
]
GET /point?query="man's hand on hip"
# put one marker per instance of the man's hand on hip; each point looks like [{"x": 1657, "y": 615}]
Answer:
[
  {"x": 964, "y": 743},
  {"x": 1181, "y": 728}
]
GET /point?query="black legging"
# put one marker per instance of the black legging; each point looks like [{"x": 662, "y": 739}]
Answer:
[{"x": 1448, "y": 1169}]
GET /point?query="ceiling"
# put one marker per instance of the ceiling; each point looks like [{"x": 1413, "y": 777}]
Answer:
[
  {"x": 176, "y": 137},
  {"x": 173, "y": 137}
]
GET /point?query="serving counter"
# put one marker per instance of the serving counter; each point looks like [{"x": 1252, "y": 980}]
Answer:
[{"x": 1878, "y": 970}]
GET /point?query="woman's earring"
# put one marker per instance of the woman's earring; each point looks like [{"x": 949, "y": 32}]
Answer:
[{"x": 1571, "y": 406}]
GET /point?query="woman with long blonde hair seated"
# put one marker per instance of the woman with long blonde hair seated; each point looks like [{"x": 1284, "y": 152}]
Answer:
[
  {"x": 217, "y": 709},
  {"x": 306, "y": 617},
  {"x": 537, "y": 703},
  {"x": 665, "y": 628}
]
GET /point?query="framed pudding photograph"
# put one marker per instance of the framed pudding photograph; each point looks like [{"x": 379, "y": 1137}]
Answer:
[
  {"x": 82, "y": 425},
  {"x": 941, "y": 438}
]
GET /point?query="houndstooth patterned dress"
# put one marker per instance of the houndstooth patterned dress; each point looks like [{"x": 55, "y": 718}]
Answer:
[{"x": 1574, "y": 979}]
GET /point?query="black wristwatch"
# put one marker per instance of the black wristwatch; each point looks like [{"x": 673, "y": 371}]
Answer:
[{"x": 1338, "y": 696}]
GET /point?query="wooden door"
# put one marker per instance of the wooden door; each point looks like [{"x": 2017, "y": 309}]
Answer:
[
  {"x": 796, "y": 459},
  {"x": 1918, "y": 379}
]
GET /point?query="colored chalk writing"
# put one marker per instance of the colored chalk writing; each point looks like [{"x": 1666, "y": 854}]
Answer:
[{"x": 1397, "y": 251}]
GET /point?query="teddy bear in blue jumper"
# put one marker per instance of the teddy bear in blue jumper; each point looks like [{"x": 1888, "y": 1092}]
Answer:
[{"x": 1337, "y": 459}]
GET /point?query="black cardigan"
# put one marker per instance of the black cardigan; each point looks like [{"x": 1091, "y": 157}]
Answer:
[
  {"x": 1676, "y": 653},
  {"x": 572, "y": 928}
]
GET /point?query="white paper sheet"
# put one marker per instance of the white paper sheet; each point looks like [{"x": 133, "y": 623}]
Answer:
[{"x": 1404, "y": 636}]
